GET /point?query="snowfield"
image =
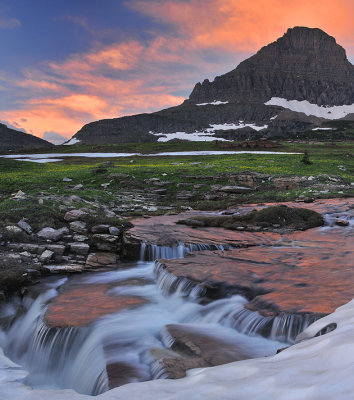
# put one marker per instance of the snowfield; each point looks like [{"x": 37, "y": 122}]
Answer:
[
  {"x": 214, "y": 103},
  {"x": 315, "y": 368},
  {"x": 207, "y": 134},
  {"x": 328, "y": 112}
]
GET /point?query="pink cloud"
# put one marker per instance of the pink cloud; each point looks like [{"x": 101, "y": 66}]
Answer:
[{"x": 202, "y": 38}]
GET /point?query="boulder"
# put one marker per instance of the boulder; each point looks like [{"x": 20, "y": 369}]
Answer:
[
  {"x": 51, "y": 234},
  {"x": 78, "y": 226},
  {"x": 75, "y": 215},
  {"x": 46, "y": 256}
]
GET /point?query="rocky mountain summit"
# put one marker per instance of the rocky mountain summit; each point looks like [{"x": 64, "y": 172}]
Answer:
[
  {"x": 10, "y": 139},
  {"x": 304, "y": 64},
  {"x": 296, "y": 84}
]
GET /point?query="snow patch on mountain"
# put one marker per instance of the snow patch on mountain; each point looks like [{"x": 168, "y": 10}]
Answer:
[
  {"x": 213, "y": 103},
  {"x": 327, "y": 112}
]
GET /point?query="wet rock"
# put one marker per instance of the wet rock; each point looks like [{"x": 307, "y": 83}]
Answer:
[
  {"x": 95, "y": 260},
  {"x": 78, "y": 226},
  {"x": 195, "y": 348},
  {"x": 66, "y": 311},
  {"x": 75, "y": 215},
  {"x": 342, "y": 222}
]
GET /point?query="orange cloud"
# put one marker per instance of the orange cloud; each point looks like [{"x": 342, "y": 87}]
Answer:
[
  {"x": 246, "y": 25},
  {"x": 202, "y": 38}
]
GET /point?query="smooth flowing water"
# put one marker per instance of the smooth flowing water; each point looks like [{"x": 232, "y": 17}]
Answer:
[{"x": 115, "y": 349}]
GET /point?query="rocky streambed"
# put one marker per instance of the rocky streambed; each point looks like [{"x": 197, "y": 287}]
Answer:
[{"x": 213, "y": 296}]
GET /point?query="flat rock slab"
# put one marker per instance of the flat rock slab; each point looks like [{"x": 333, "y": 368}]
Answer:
[
  {"x": 294, "y": 279},
  {"x": 80, "y": 305}
]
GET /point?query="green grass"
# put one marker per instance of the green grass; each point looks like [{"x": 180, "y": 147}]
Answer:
[{"x": 46, "y": 180}]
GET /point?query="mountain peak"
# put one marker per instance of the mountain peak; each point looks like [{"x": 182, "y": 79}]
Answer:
[{"x": 304, "y": 64}]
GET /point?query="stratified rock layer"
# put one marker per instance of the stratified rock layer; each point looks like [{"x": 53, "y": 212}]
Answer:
[{"x": 304, "y": 64}]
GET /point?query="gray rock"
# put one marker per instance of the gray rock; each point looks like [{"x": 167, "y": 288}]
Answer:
[
  {"x": 75, "y": 215},
  {"x": 46, "y": 256},
  {"x": 78, "y": 187},
  {"x": 114, "y": 231},
  {"x": 234, "y": 189},
  {"x": 79, "y": 248},
  {"x": 105, "y": 238},
  {"x": 80, "y": 238},
  {"x": 25, "y": 226},
  {"x": 57, "y": 249},
  {"x": 12, "y": 229},
  {"x": 78, "y": 226},
  {"x": 100, "y": 228},
  {"x": 64, "y": 268},
  {"x": 50, "y": 234},
  {"x": 67, "y": 180}
]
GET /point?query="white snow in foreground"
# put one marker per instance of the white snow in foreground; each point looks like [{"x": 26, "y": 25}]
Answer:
[
  {"x": 318, "y": 368},
  {"x": 71, "y": 142},
  {"x": 51, "y": 157},
  {"x": 322, "y": 129},
  {"x": 214, "y": 103},
  {"x": 328, "y": 112}
]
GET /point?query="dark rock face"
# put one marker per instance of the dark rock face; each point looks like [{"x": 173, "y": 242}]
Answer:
[
  {"x": 10, "y": 139},
  {"x": 304, "y": 64}
]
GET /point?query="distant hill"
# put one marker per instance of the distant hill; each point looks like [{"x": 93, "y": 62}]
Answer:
[
  {"x": 294, "y": 84},
  {"x": 10, "y": 139}
]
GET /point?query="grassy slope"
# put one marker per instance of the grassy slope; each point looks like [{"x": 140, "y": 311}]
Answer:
[{"x": 38, "y": 179}]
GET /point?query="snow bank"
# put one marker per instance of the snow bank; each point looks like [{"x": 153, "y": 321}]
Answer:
[
  {"x": 322, "y": 129},
  {"x": 71, "y": 142},
  {"x": 193, "y": 137},
  {"x": 315, "y": 368},
  {"x": 207, "y": 134},
  {"x": 328, "y": 112}
]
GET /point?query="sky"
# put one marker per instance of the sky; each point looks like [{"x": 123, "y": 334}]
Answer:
[{"x": 65, "y": 63}]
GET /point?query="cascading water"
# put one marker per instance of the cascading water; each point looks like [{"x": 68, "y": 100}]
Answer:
[
  {"x": 152, "y": 252},
  {"x": 115, "y": 349}
]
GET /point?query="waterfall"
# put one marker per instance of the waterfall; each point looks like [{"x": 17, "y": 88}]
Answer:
[
  {"x": 52, "y": 352},
  {"x": 152, "y": 252},
  {"x": 283, "y": 327}
]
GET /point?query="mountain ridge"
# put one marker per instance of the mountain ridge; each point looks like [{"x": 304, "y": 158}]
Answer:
[{"x": 305, "y": 64}]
